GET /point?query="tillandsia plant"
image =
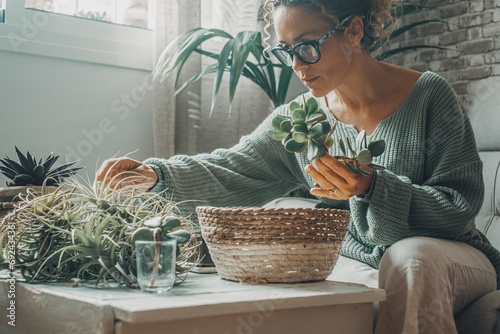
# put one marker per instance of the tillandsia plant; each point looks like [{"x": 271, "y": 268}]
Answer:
[
  {"x": 29, "y": 171},
  {"x": 87, "y": 231},
  {"x": 306, "y": 130},
  {"x": 309, "y": 130}
]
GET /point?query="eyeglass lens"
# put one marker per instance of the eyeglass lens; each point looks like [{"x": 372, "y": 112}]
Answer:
[{"x": 305, "y": 52}]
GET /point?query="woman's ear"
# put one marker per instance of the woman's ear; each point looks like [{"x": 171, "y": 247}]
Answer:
[{"x": 355, "y": 31}]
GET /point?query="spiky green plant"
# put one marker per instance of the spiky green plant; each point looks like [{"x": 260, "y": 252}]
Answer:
[
  {"x": 309, "y": 130},
  {"x": 88, "y": 232},
  {"x": 29, "y": 171}
]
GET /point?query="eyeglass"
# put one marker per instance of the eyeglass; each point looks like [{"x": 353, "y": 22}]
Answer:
[{"x": 307, "y": 51}]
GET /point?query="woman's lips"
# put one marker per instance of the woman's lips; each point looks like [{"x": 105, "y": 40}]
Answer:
[{"x": 309, "y": 81}]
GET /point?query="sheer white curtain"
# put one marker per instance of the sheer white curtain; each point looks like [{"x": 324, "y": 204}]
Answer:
[{"x": 182, "y": 124}]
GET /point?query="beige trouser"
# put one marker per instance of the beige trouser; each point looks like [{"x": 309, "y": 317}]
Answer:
[{"x": 426, "y": 280}]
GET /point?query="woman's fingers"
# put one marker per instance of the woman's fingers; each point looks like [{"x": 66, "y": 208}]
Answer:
[
  {"x": 123, "y": 172},
  {"x": 320, "y": 179},
  {"x": 335, "y": 193},
  {"x": 334, "y": 180},
  {"x": 333, "y": 170}
]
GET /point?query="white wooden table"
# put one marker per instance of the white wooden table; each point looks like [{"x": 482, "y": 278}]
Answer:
[{"x": 204, "y": 304}]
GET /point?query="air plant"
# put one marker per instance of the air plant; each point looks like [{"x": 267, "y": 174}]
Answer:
[
  {"x": 87, "y": 231},
  {"x": 307, "y": 129}
]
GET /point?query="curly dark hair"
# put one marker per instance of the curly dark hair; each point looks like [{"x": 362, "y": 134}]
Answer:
[{"x": 378, "y": 19}]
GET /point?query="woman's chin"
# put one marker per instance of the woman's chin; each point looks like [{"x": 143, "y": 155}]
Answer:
[{"x": 317, "y": 92}]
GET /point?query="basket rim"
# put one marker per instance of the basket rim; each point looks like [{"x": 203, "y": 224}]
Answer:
[{"x": 249, "y": 210}]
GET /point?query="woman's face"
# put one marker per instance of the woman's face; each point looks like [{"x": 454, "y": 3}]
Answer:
[{"x": 297, "y": 24}]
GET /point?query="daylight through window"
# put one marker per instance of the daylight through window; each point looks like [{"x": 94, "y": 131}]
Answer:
[{"x": 126, "y": 12}]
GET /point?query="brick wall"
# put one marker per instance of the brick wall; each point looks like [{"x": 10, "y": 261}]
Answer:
[{"x": 470, "y": 32}]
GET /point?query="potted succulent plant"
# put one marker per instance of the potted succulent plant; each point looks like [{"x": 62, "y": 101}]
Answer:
[
  {"x": 307, "y": 129},
  {"x": 87, "y": 232},
  {"x": 28, "y": 173}
]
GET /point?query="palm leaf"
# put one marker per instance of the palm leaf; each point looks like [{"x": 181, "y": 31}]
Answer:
[
  {"x": 407, "y": 27},
  {"x": 283, "y": 84},
  {"x": 406, "y": 8},
  {"x": 240, "y": 51},
  {"x": 179, "y": 50},
  {"x": 163, "y": 67},
  {"x": 401, "y": 31},
  {"x": 191, "y": 43},
  {"x": 271, "y": 75},
  {"x": 256, "y": 75},
  {"x": 391, "y": 53},
  {"x": 196, "y": 77},
  {"x": 221, "y": 68}
]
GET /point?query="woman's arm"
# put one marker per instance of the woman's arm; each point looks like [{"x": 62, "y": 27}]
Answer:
[{"x": 251, "y": 173}]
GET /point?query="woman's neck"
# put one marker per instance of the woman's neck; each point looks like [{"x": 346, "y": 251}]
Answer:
[{"x": 365, "y": 86}]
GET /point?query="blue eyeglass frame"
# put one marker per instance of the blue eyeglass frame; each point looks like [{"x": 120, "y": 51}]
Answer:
[{"x": 315, "y": 44}]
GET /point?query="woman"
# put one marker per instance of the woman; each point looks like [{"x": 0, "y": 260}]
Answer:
[{"x": 411, "y": 224}]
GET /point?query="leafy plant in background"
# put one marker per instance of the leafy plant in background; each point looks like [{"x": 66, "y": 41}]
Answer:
[
  {"x": 88, "y": 232},
  {"x": 399, "y": 11},
  {"x": 236, "y": 58},
  {"x": 232, "y": 58}
]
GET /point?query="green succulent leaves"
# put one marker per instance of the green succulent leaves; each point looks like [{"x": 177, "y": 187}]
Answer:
[
  {"x": 363, "y": 152},
  {"x": 306, "y": 130},
  {"x": 168, "y": 228},
  {"x": 309, "y": 130}
]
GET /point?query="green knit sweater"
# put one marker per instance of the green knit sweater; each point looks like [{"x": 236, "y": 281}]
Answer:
[{"x": 432, "y": 185}]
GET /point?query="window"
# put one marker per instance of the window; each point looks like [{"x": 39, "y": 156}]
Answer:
[
  {"x": 126, "y": 12},
  {"x": 35, "y": 27},
  {"x": 2, "y": 11}
]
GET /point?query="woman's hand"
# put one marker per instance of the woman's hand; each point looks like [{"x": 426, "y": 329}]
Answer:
[
  {"x": 122, "y": 172},
  {"x": 335, "y": 181}
]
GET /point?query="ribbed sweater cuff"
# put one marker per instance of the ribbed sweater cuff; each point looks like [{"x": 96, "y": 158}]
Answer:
[
  {"x": 367, "y": 197},
  {"x": 391, "y": 197},
  {"x": 161, "y": 185}
]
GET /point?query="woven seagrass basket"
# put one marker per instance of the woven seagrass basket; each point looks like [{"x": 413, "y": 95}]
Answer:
[{"x": 257, "y": 245}]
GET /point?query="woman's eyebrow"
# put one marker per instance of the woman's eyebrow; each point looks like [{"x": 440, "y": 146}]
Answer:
[{"x": 299, "y": 37}]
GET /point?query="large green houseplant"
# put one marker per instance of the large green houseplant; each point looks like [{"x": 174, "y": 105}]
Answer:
[{"x": 242, "y": 55}]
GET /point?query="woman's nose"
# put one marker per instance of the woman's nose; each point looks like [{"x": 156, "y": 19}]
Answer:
[{"x": 298, "y": 64}]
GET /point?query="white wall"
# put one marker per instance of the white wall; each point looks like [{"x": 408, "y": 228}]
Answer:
[{"x": 80, "y": 110}]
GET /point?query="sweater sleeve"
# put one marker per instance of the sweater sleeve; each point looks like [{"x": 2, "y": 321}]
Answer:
[
  {"x": 449, "y": 195},
  {"x": 251, "y": 173}
]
